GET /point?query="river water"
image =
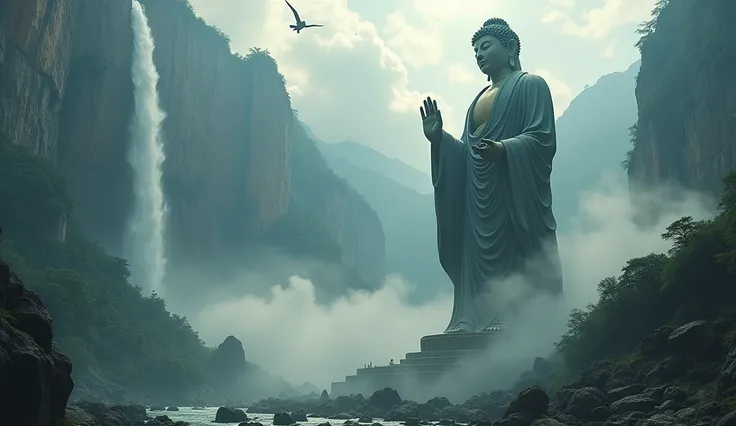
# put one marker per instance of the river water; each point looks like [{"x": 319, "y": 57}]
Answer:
[{"x": 206, "y": 416}]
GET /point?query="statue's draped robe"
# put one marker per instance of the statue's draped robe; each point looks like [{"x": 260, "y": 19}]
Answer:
[{"x": 494, "y": 217}]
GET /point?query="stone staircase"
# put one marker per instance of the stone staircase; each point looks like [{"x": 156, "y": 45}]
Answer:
[{"x": 438, "y": 355}]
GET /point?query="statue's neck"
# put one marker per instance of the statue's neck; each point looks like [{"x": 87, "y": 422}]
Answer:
[{"x": 499, "y": 78}]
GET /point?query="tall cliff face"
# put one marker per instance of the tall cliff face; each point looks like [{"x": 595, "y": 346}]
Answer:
[
  {"x": 686, "y": 94},
  {"x": 226, "y": 133},
  {"x": 35, "y": 49},
  {"x": 95, "y": 118}
]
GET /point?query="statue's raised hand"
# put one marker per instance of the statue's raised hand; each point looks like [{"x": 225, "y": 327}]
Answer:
[{"x": 431, "y": 120}]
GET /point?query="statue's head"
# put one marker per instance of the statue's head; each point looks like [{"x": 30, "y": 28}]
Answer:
[{"x": 496, "y": 47}]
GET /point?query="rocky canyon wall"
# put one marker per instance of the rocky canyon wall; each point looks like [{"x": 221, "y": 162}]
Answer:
[
  {"x": 686, "y": 94},
  {"x": 95, "y": 117},
  {"x": 66, "y": 93},
  {"x": 226, "y": 133},
  {"x": 35, "y": 49}
]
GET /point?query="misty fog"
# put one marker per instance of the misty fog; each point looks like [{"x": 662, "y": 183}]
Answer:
[{"x": 287, "y": 331}]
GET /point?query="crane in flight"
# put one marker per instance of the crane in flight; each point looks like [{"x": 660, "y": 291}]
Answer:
[{"x": 300, "y": 25}]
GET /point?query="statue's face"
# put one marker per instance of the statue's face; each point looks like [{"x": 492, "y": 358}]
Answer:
[{"x": 491, "y": 55}]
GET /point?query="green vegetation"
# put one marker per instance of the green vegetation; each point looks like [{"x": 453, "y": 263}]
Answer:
[
  {"x": 695, "y": 280},
  {"x": 626, "y": 163},
  {"x": 100, "y": 320}
]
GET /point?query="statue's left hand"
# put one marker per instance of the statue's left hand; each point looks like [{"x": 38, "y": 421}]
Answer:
[{"x": 488, "y": 149}]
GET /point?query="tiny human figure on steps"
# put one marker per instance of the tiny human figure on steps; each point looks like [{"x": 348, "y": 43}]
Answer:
[{"x": 492, "y": 186}]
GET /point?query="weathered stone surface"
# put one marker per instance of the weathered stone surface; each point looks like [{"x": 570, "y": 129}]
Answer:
[{"x": 36, "y": 376}]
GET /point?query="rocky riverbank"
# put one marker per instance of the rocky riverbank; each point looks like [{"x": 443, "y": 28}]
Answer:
[
  {"x": 676, "y": 376},
  {"x": 683, "y": 376}
]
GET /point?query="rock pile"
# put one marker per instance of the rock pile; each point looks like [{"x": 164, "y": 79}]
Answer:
[{"x": 35, "y": 378}]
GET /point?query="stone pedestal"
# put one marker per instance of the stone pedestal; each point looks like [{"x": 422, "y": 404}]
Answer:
[{"x": 439, "y": 353}]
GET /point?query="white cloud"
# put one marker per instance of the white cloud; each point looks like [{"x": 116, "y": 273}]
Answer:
[
  {"x": 416, "y": 46},
  {"x": 473, "y": 11},
  {"x": 599, "y": 22},
  {"x": 610, "y": 50},
  {"x": 461, "y": 73}
]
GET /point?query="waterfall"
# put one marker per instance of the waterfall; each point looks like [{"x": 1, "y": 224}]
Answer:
[{"x": 144, "y": 243}]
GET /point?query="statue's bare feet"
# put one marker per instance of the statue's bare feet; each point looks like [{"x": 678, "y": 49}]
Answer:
[{"x": 460, "y": 328}]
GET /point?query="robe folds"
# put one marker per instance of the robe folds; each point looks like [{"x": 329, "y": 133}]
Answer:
[{"x": 494, "y": 217}]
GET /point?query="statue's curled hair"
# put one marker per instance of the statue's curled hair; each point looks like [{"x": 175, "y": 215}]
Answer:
[{"x": 499, "y": 28}]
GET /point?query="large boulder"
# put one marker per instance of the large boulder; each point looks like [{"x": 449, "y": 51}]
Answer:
[
  {"x": 693, "y": 340},
  {"x": 532, "y": 403},
  {"x": 36, "y": 376},
  {"x": 385, "y": 399},
  {"x": 230, "y": 415}
]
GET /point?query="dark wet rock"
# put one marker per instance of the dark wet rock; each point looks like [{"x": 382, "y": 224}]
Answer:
[
  {"x": 232, "y": 415},
  {"x": 534, "y": 402},
  {"x": 669, "y": 405},
  {"x": 412, "y": 421},
  {"x": 161, "y": 421},
  {"x": 78, "y": 417},
  {"x": 709, "y": 409},
  {"x": 655, "y": 344},
  {"x": 548, "y": 421},
  {"x": 385, "y": 399},
  {"x": 339, "y": 416},
  {"x": 727, "y": 420},
  {"x": 114, "y": 415},
  {"x": 516, "y": 419},
  {"x": 36, "y": 377},
  {"x": 439, "y": 402},
  {"x": 563, "y": 397},
  {"x": 173, "y": 408},
  {"x": 726, "y": 380},
  {"x": 299, "y": 416},
  {"x": 661, "y": 420},
  {"x": 624, "y": 391},
  {"x": 283, "y": 419},
  {"x": 668, "y": 369},
  {"x": 633, "y": 403},
  {"x": 600, "y": 414},
  {"x": 403, "y": 412},
  {"x": 584, "y": 401},
  {"x": 693, "y": 340}
]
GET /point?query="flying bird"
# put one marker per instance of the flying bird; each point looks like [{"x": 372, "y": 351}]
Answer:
[{"x": 300, "y": 25}]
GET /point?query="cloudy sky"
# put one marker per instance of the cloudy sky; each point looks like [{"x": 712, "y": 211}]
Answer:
[{"x": 362, "y": 77}]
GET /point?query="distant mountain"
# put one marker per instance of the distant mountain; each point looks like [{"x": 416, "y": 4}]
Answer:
[
  {"x": 592, "y": 140},
  {"x": 406, "y": 214},
  {"x": 368, "y": 158}
]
